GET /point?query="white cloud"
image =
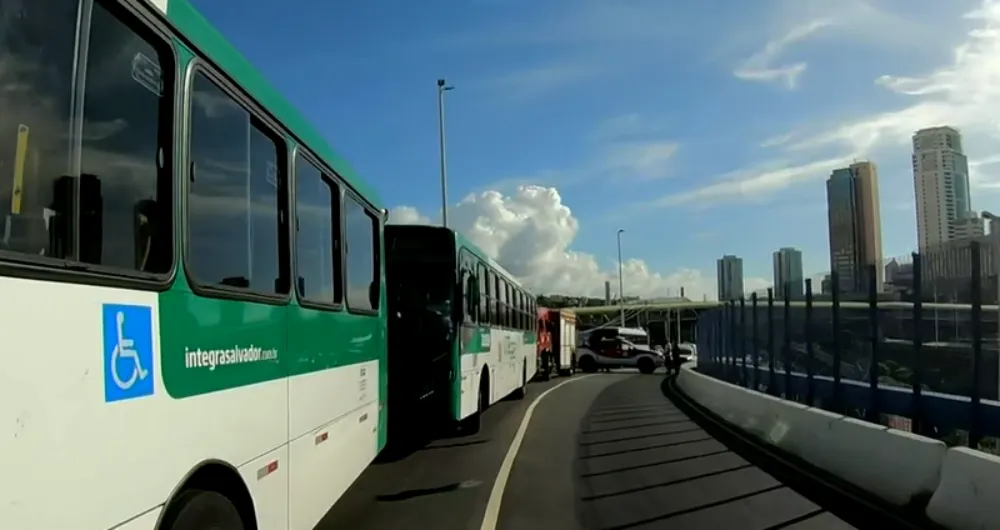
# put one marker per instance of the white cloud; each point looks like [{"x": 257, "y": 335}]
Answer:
[
  {"x": 747, "y": 184},
  {"x": 530, "y": 233},
  {"x": 964, "y": 93},
  {"x": 760, "y": 66},
  {"x": 407, "y": 215}
]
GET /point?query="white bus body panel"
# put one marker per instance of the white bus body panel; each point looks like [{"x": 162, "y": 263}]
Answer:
[
  {"x": 507, "y": 359},
  {"x": 114, "y": 464}
]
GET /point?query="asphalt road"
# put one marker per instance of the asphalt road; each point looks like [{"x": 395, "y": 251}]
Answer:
[{"x": 606, "y": 452}]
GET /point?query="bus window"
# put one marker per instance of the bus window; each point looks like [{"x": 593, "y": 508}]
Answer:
[
  {"x": 38, "y": 46},
  {"x": 317, "y": 235},
  {"x": 125, "y": 177},
  {"x": 503, "y": 290},
  {"x": 234, "y": 227},
  {"x": 484, "y": 296},
  {"x": 125, "y": 220},
  {"x": 469, "y": 290},
  {"x": 494, "y": 286},
  {"x": 520, "y": 311},
  {"x": 509, "y": 312},
  {"x": 361, "y": 238}
]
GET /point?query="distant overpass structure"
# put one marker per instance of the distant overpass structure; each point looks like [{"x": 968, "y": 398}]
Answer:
[
  {"x": 677, "y": 317},
  {"x": 710, "y": 304},
  {"x": 648, "y": 305}
]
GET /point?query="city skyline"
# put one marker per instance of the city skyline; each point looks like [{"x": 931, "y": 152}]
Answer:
[{"x": 946, "y": 222}]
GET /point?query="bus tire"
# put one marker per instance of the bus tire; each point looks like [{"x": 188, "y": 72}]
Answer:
[
  {"x": 472, "y": 424},
  {"x": 202, "y": 510},
  {"x": 518, "y": 392},
  {"x": 588, "y": 364}
]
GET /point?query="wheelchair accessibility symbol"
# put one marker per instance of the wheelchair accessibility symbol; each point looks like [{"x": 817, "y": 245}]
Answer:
[{"x": 128, "y": 351}]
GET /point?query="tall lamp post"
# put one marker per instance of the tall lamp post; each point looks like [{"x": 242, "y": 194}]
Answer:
[
  {"x": 442, "y": 88},
  {"x": 621, "y": 278}
]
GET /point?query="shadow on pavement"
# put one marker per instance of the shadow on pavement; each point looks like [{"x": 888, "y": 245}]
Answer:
[{"x": 644, "y": 463}]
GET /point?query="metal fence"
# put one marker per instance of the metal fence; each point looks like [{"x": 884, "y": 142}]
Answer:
[{"x": 930, "y": 368}]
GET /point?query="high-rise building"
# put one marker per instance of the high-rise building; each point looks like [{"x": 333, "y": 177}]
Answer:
[
  {"x": 941, "y": 186},
  {"x": 788, "y": 273},
  {"x": 855, "y": 225},
  {"x": 607, "y": 292},
  {"x": 730, "y": 277}
]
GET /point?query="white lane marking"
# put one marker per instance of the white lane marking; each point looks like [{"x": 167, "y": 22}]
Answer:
[{"x": 492, "y": 515}]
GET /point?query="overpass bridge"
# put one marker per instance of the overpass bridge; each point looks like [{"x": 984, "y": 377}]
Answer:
[{"x": 675, "y": 317}]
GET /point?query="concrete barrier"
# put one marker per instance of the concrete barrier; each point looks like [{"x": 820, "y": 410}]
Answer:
[
  {"x": 967, "y": 497},
  {"x": 897, "y": 466}
]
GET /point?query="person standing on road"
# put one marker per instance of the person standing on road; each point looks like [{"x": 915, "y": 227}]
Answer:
[{"x": 675, "y": 357}]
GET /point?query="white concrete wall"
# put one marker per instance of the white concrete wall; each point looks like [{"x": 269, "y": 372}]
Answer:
[
  {"x": 894, "y": 465},
  {"x": 969, "y": 493}
]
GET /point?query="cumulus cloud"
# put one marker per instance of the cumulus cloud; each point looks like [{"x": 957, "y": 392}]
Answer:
[
  {"x": 407, "y": 215},
  {"x": 530, "y": 233}
]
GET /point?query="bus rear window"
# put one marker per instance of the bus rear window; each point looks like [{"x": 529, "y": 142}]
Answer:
[{"x": 424, "y": 243}]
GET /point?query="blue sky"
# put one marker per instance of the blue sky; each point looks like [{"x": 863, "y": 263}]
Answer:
[{"x": 701, "y": 128}]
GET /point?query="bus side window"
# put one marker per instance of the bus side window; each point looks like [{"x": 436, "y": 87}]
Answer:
[
  {"x": 469, "y": 287},
  {"x": 484, "y": 297},
  {"x": 518, "y": 302},
  {"x": 236, "y": 236},
  {"x": 502, "y": 289},
  {"x": 125, "y": 215},
  {"x": 508, "y": 308},
  {"x": 494, "y": 303},
  {"x": 522, "y": 314},
  {"x": 361, "y": 247},
  {"x": 317, "y": 235},
  {"x": 497, "y": 319}
]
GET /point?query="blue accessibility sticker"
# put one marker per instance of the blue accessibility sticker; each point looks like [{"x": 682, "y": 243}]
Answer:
[{"x": 128, "y": 351}]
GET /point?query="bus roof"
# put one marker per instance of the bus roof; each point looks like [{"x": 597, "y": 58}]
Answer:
[
  {"x": 197, "y": 29},
  {"x": 460, "y": 243}
]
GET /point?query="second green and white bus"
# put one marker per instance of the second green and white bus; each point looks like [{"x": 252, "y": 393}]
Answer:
[{"x": 461, "y": 329}]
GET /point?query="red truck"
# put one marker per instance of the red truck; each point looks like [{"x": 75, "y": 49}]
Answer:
[{"x": 556, "y": 342}]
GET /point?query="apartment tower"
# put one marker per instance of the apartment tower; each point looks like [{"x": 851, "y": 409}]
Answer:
[
  {"x": 730, "y": 277},
  {"x": 855, "y": 225},
  {"x": 941, "y": 186},
  {"x": 788, "y": 272}
]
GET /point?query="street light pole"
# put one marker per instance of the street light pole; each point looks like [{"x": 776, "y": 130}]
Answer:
[
  {"x": 621, "y": 278},
  {"x": 442, "y": 88}
]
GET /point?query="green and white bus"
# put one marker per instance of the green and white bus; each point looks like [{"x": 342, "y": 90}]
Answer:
[
  {"x": 461, "y": 329},
  {"x": 192, "y": 301}
]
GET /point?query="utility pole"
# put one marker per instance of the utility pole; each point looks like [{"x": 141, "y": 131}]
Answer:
[{"x": 442, "y": 88}]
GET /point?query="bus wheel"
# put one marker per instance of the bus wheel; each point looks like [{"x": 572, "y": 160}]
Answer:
[
  {"x": 473, "y": 423},
  {"x": 646, "y": 365},
  {"x": 518, "y": 393},
  {"x": 202, "y": 510},
  {"x": 588, "y": 365}
]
